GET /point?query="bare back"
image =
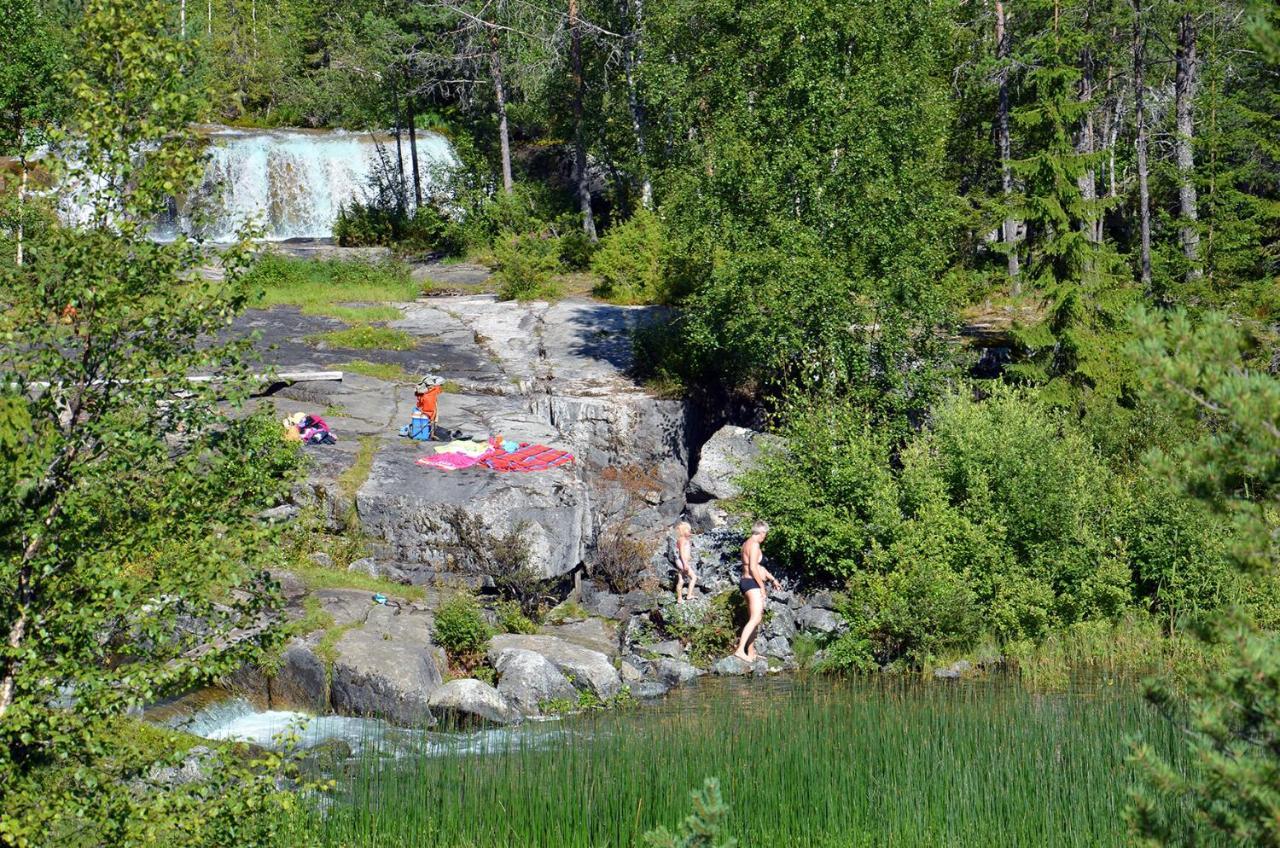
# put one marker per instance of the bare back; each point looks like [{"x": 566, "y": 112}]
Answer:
[{"x": 750, "y": 557}]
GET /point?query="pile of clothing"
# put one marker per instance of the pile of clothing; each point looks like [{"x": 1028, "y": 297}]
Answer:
[
  {"x": 308, "y": 429},
  {"x": 497, "y": 454}
]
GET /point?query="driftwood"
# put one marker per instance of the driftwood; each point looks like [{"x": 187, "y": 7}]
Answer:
[{"x": 282, "y": 377}]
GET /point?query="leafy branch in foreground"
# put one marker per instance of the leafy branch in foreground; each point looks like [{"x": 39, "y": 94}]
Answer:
[{"x": 701, "y": 828}]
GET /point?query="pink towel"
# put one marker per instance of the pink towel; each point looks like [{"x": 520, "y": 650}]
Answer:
[{"x": 450, "y": 461}]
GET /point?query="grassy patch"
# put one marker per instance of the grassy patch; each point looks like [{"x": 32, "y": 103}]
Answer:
[
  {"x": 884, "y": 763},
  {"x": 391, "y": 372},
  {"x": 365, "y": 337},
  {"x": 350, "y": 481},
  {"x": 359, "y": 314},
  {"x": 317, "y": 286},
  {"x": 319, "y": 577}
]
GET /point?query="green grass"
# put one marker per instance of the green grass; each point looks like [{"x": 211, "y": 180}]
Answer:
[
  {"x": 365, "y": 337},
  {"x": 391, "y": 372},
  {"x": 815, "y": 764},
  {"x": 318, "y": 286},
  {"x": 361, "y": 314}
]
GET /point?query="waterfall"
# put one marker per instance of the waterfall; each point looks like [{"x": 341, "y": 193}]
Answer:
[{"x": 291, "y": 183}]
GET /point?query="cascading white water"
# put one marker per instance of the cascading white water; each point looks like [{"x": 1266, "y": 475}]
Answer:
[{"x": 291, "y": 183}]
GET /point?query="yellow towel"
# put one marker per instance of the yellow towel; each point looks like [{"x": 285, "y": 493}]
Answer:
[{"x": 470, "y": 448}]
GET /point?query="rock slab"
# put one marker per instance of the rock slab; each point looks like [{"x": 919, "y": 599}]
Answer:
[
  {"x": 590, "y": 670},
  {"x": 472, "y": 701},
  {"x": 528, "y": 680}
]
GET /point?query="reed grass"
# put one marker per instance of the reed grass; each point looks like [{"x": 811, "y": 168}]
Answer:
[{"x": 810, "y": 763}]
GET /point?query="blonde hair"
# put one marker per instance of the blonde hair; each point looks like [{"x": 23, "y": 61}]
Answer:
[
  {"x": 683, "y": 527},
  {"x": 759, "y": 527}
]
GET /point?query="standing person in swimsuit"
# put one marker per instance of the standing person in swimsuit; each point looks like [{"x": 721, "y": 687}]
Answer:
[
  {"x": 684, "y": 561},
  {"x": 754, "y": 579}
]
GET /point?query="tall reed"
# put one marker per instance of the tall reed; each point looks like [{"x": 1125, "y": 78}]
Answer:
[{"x": 808, "y": 764}]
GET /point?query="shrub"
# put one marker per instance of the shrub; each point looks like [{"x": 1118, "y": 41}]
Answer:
[
  {"x": 620, "y": 560},
  {"x": 511, "y": 619},
  {"x": 501, "y": 558},
  {"x": 629, "y": 260},
  {"x": 709, "y": 627},
  {"x": 526, "y": 266},
  {"x": 574, "y": 248},
  {"x": 461, "y": 630}
]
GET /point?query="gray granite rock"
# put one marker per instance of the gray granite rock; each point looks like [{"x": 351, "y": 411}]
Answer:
[
  {"x": 671, "y": 648},
  {"x": 648, "y": 689},
  {"x": 588, "y": 669},
  {"x": 675, "y": 672},
  {"x": 822, "y": 600},
  {"x": 527, "y": 680},
  {"x": 593, "y": 633},
  {"x": 730, "y": 666},
  {"x": 782, "y": 622},
  {"x": 386, "y": 668},
  {"x": 818, "y": 620},
  {"x": 723, "y": 459},
  {"x": 301, "y": 682},
  {"x": 472, "y": 701}
]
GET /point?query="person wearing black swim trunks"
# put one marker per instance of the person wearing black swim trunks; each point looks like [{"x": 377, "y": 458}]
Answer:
[{"x": 755, "y": 577}]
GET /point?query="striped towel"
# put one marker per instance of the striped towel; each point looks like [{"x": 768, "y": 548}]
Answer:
[{"x": 527, "y": 458}]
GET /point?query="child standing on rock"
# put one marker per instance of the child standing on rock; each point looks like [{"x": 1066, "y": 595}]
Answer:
[{"x": 683, "y": 556}]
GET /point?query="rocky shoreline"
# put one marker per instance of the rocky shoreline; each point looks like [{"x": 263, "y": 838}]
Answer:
[{"x": 555, "y": 374}]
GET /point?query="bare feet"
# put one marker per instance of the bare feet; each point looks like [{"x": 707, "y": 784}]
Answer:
[{"x": 742, "y": 656}]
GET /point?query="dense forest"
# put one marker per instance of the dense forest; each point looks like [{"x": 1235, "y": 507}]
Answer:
[{"x": 1003, "y": 274}]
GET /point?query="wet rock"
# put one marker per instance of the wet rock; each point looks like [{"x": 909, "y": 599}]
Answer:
[
  {"x": 648, "y": 689},
  {"x": 301, "y": 682},
  {"x": 675, "y": 672},
  {"x": 249, "y": 681},
  {"x": 195, "y": 767},
  {"x": 730, "y": 666},
  {"x": 588, "y": 669},
  {"x": 818, "y": 620},
  {"x": 472, "y": 701},
  {"x": 727, "y": 454},
  {"x": 955, "y": 671},
  {"x": 386, "y": 668},
  {"x": 527, "y": 679}
]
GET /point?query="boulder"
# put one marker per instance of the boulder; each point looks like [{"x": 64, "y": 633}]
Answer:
[
  {"x": 386, "y": 668},
  {"x": 527, "y": 680},
  {"x": 640, "y": 601},
  {"x": 279, "y": 514},
  {"x": 291, "y": 586},
  {"x": 675, "y": 672},
  {"x": 671, "y": 648},
  {"x": 782, "y": 622},
  {"x": 955, "y": 671},
  {"x": 731, "y": 666},
  {"x": 727, "y": 454},
  {"x": 818, "y": 620},
  {"x": 321, "y": 559},
  {"x": 588, "y": 669},
  {"x": 630, "y": 671},
  {"x": 593, "y": 633},
  {"x": 648, "y": 689},
  {"x": 822, "y": 600},
  {"x": 301, "y": 682},
  {"x": 472, "y": 701},
  {"x": 706, "y": 516},
  {"x": 409, "y": 508},
  {"x": 778, "y": 646}
]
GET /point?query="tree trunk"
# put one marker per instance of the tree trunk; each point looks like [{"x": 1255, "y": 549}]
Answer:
[
  {"x": 400, "y": 204},
  {"x": 1090, "y": 222},
  {"x": 631, "y": 58},
  {"x": 580, "y": 175},
  {"x": 208, "y": 29},
  {"x": 1003, "y": 147},
  {"x": 413, "y": 155},
  {"x": 22, "y": 196},
  {"x": 500, "y": 95},
  {"x": 182, "y": 17},
  {"x": 1184, "y": 87},
  {"x": 1140, "y": 118}
]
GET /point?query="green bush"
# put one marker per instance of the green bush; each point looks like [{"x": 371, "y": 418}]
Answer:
[
  {"x": 709, "y": 627},
  {"x": 1000, "y": 520},
  {"x": 575, "y": 249},
  {"x": 526, "y": 266},
  {"x": 629, "y": 260},
  {"x": 511, "y": 619},
  {"x": 460, "y": 628}
]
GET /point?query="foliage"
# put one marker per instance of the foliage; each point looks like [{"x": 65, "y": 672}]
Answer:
[
  {"x": 803, "y": 734},
  {"x": 317, "y": 286},
  {"x": 708, "y": 626},
  {"x": 998, "y": 520},
  {"x": 365, "y": 337},
  {"x": 619, "y": 559},
  {"x": 460, "y": 628},
  {"x": 502, "y": 558},
  {"x": 629, "y": 260},
  {"x": 127, "y": 534},
  {"x": 511, "y": 619},
  {"x": 526, "y": 266},
  {"x": 702, "y": 827}
]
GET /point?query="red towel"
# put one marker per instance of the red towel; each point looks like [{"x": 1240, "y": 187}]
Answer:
[{"x": 528, "y": 458}]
